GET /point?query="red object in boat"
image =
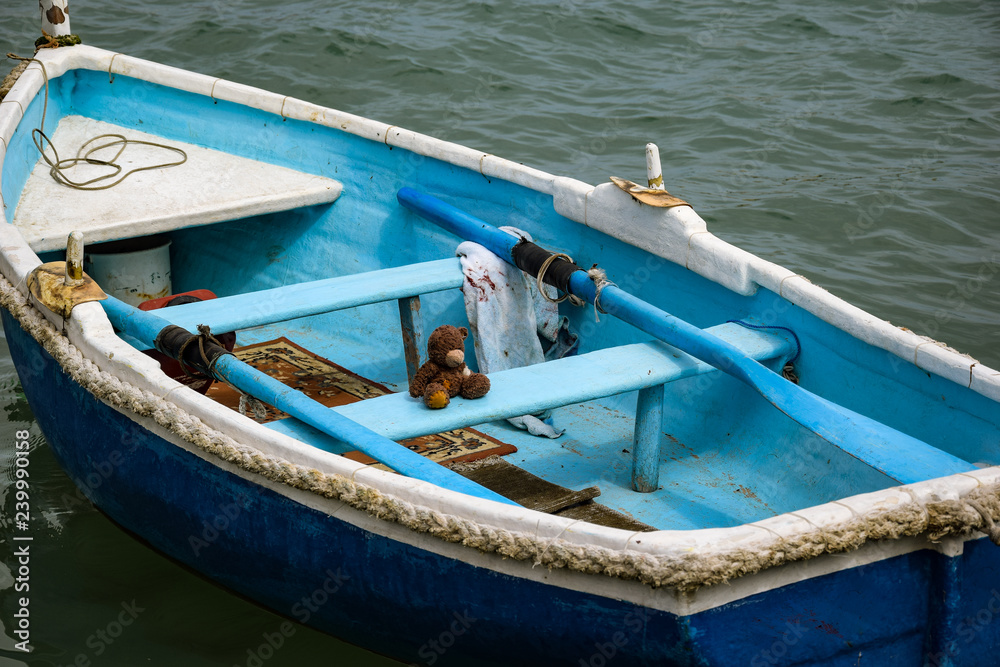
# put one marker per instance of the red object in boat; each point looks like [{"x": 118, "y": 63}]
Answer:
[{"x": 172, "y": 367}]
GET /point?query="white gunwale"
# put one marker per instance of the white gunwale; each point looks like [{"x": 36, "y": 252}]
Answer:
[{"x": 676, "y": 234}]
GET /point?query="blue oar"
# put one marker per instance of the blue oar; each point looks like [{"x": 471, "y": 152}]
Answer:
[
  {"x": 156, "y": 332},
  {"x": 895, "y": 454}
]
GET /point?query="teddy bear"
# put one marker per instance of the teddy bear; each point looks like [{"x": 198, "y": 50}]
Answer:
[{"x": 444, "y": 375}]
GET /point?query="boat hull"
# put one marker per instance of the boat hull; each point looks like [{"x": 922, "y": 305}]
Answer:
[{"x": 416, "y": 605}]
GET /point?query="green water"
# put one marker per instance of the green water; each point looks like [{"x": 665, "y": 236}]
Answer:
[{"x": 856, "y": 143}]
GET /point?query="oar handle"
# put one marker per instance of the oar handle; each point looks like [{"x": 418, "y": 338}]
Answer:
[
  {"x": 567, "y": 276},
  {"x": 522, "y": 253}
]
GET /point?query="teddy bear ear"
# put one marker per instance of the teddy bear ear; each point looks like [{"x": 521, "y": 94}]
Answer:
[{"x": 464, "y": 332}]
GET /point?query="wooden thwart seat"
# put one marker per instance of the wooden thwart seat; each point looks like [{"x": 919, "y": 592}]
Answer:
[
  {"x": 642, "y": 366},
  {"x": 290, "y": 302},
  {"x": 403, "y": 284},
  {"x": 568, "y": 381}
]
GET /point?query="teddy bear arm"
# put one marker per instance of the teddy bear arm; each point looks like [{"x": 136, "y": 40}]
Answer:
[{"x": 422, "y": 378}]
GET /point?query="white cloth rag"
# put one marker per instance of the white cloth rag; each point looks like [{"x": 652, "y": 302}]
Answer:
[{"x": 506, "y": 313}]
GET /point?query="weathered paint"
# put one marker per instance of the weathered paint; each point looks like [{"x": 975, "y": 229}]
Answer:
[
  {"x": 48, "y": 283},
  {"x": 654, "y": 174},
  {"x": 412, "y": 329},
  {"x": 277, "y": 550},
  {"x": 647, "y": 438}
]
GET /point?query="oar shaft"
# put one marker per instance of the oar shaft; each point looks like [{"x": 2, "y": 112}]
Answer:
[
  {"x": 146, "y": 327},
  {"x": 898, "y": 455}
]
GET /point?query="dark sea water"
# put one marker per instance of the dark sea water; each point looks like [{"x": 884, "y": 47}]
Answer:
[{"x": 857, "y": 143}]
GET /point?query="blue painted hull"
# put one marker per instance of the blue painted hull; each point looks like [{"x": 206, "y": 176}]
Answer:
[
  {"x": 415, "y": 605},
  {"x": 730, "y": 460}
]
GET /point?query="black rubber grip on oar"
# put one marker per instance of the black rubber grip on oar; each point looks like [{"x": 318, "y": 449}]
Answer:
[
  {"x": 529, "y": 258},
  {"x": 195, "y": 352}
]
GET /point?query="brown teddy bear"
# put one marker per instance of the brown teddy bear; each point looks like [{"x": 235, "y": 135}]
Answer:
[{"x": 444, "y": 375}]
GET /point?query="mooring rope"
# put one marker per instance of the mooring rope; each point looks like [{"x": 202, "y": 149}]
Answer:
[
  {"x": 58, "y": 166},
  {"x": 600, "y": 280}
]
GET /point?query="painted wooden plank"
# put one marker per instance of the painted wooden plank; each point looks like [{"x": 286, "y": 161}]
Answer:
[
  {"x": 553, "y": 384},
  {"x": 211, "y": 186},
  {"x": 289, "y": 302},
  {"x": 646, "y": 442}
]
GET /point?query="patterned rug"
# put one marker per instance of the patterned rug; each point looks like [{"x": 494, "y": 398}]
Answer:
[{"x": 332, "y": 385}]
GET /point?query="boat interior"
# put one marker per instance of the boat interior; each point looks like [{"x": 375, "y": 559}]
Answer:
[{"x": 296, "y": 229}]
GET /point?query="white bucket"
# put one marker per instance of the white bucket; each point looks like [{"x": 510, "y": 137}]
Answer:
[{"x": 134, "y": 270}]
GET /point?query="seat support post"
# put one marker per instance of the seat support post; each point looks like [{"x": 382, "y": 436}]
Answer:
[
  {"x": 413, "y": 333},
  {"x": 646, "y": 441}
]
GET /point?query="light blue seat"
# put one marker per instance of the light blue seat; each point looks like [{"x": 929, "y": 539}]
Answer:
[
  {"x": 642, "y": 366},
  {"x": 289, "y": 302}
]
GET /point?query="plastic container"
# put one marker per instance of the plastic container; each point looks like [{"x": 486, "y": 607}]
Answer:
[{"x": 133, "y": 270}]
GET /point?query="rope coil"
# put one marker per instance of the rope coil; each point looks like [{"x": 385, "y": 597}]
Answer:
[
  {"x": 573, "y": 299},
  {"x": 57, "y": 165}
]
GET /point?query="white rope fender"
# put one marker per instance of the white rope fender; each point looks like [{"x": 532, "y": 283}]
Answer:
[{"x": 685, "y": 571}]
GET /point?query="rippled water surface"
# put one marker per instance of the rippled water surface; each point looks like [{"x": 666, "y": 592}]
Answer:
[{"x": 856, "y": 143}]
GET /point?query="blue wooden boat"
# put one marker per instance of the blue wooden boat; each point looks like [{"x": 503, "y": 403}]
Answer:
[{"x": 800, "y": 482}]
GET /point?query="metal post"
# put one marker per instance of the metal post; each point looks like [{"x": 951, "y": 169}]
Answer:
[
  {"x": 74, "y": 259},
  {"x": 55, "y": 17},
  {"x": 654, "y": 174}
]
